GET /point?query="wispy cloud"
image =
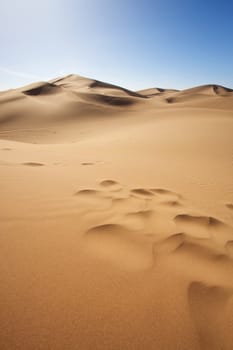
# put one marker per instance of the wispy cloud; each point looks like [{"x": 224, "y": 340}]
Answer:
[{"x": 17, "y": 74}]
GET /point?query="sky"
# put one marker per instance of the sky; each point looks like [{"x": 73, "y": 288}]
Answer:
[{"x": 135, "y": 44}]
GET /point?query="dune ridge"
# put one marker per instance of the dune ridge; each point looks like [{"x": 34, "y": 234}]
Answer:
[{"x": 77, "y": 97}]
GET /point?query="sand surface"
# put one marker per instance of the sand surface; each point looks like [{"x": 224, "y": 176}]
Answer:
[{"x": 116, "y": 217}]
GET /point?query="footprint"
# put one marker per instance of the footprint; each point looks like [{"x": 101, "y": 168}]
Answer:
[
  {"x": 111, "y": 185},
  {"x": 169, "y": 244},
  {"x": 138, "y": 220},
  {"x": 33, "y": 164},
  {"x": 196, "y": 249},
  {"x": 86, "y": 163},
  {"x": 87, "y": 192},
  {"x": 171, "y": 204},
  {"x": 199, "y": 220},
  {"x": 6, "y": 149},
  {"x": 163, "y": 191},
  {"x": 120, "y": 246},
  {"x": 143, "y": 214},
  {"x": 142, "y": 192},
  {"x": 198, "y": 226},
  {"x": 127, "y": 204},
  {"x": 229, "y": 205},
  {"x": 181, "y": 245},
  {"x": 92, "y": 201},
  {"x": 207, "y": 307},
  {"x": 108, "y": 183}
]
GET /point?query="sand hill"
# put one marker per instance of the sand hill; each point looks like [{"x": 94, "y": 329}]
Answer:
[{"x": 116, "y": 217}]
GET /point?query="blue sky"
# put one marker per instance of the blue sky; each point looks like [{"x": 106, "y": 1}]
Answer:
[{"x": 136, "y": 44}]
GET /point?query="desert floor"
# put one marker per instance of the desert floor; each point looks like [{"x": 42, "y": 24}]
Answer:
[{"x": 116, "y": 217}]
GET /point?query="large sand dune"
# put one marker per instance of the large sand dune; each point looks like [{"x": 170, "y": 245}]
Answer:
[{"x": 116, "y": 217}]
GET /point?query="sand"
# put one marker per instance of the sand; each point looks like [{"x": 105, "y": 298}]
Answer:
[{"x": 116, "y": 217}]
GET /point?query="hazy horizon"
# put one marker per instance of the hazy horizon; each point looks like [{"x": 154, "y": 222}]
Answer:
[{"x": 169, "y": 44}]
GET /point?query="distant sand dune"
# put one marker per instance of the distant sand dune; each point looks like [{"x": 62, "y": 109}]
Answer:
[{"x": 76, "y": 97}]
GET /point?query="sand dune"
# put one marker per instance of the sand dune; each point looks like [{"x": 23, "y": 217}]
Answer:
[
  {"x": 209, "y": 90},
  {"x": 156, "y": 92},
  {"x": 116, "y": 217}
]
